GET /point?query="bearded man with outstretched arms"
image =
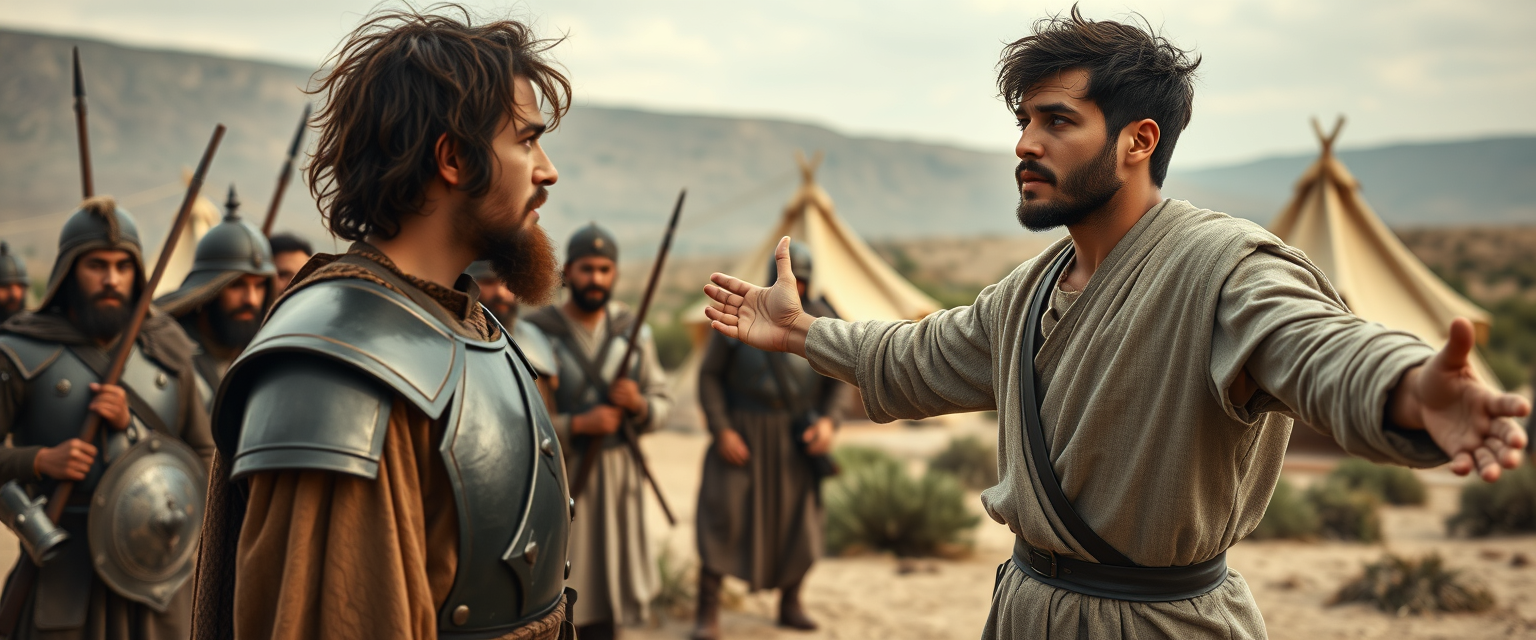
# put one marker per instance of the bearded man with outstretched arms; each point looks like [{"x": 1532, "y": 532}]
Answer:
[{"x": 1147, "y": 369}]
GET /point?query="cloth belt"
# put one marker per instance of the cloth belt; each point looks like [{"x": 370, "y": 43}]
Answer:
[{"x": 1136, "y": 584}]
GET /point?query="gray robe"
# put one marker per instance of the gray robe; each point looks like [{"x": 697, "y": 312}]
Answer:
[{"x": 1146, "y": 437}]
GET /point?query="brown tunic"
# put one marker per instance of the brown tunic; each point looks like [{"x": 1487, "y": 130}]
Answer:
[
  {"x": 325, "y": 555},
  {"x": 108, "y": 615}
]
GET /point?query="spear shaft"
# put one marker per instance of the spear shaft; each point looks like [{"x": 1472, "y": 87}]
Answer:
[
  {"x": 286, "y": 175},
  {"x": 87, "y": 183}
]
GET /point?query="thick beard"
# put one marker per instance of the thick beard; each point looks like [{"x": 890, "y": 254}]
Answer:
[
  {"x": 522, "y": 256},
  {"x": 95, "y": 321},
  {"x": 1082, "y": 192},
  {"x": 588, "y": 304},
  {"x": 505, "y": 314},
  {"x": 232, "y": 333}
]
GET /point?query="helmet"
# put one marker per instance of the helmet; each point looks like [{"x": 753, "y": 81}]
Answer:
[
  {"x": 800, "y": 263},
  {"x": 591, "y": 240},
  {"x": 97, "y": 224},
  {"x": 12, "y": 269},
  {"x": 230, "y": 249}
]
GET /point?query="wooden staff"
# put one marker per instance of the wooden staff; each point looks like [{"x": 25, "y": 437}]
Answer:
[
  {"x": 286, "y": 176},
  {"x": 87, "y": 183},
  {"x": 631, "y": 441},
  {"x": 25, "y": 577}
]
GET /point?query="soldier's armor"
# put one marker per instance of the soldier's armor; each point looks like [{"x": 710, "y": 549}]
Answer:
[
  {"x": 578, "y": 392},
  {"x": 314, "y": 391},
  {"x": 750, "y": 384},
  {"x": 137, "y": 516}
]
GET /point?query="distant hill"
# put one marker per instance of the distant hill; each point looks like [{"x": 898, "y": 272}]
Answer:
[{"x": 151, "y": 112}]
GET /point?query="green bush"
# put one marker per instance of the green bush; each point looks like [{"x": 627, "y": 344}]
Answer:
[
  {"x": 1289, "y": 515},
  {"x": 970, "y": 460},
  {"x": 673, "y": 344},
  {"x": 1345, "y": 513},
  {"x": 1394, "y": 485},
  {"x": 1506, "y": 506},
  {"x": 875, "y": 505},
  {"x": 1401, "y": 586},
  {"x": 678, "y": 585}
]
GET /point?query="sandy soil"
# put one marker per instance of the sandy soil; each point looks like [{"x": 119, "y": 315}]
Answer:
[{"x": 879, "y": 597}]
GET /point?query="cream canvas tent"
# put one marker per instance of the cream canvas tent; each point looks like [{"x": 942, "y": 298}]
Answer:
[
  {"x": 1378, "y": 277},
  {"x": 204, "y": 216}
]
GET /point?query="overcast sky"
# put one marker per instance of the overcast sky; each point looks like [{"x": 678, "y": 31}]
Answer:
[{"x": 1400, "y": 69}]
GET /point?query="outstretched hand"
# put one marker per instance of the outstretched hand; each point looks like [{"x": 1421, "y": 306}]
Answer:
[
  {"x": 1474, "y": 424},
  {"x": 766, "y": 318}
]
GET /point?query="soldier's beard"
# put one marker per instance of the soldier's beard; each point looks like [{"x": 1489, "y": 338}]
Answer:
[
  {"x": 588, "y": 303},
  {"x": 98, "y": 322},
  {"x": 522, "y": 255},
  {"x": 230, "y": 331},
  {"x": 1083, "y": 191}
]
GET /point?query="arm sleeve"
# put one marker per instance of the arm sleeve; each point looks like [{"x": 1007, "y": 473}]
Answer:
[
  {"x": 328, "y": 555},
  {"x": 940, "y": 364},
  {"x": 653, "y": 384},
  {"x": 16, "y": 463},
  {"x": 1278, "y": 321},
  {"x": 717, "y": 356}
]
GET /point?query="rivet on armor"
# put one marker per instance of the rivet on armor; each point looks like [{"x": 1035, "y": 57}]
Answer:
[
  {"x": 154, "y": 444},
  {"x": 567, "y": 569},
  {"x": 21, "y": 519},
  {"x": 63, "y": 387},
  {"x": 4, "y": 376},
  {"x": 572, "y": 502},
  {"x": 461, "y": 614},
  {"x": 531, "y": 552},
  {"x": 161, "y": 380},
  {"x": 101, "y": 500},
  {"x": 547, "y": 446},
  {"x": 101, "y": 558}
]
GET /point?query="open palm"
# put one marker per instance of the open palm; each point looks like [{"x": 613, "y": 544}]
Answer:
[
  {"x": 760, "y": 317},
  {"x": 1473, "y": 423}
]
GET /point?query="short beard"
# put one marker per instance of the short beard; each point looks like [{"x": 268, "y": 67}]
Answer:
[
  {"x": 98, "y": 323},
  {"x": 522, "y": 256},
  {"x": 590, "y": 305},
  {"x": 230, "y": 332},
  {"x": 1084, "y": 191}
]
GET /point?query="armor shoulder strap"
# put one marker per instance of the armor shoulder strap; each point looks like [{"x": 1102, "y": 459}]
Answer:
[
  {"x": 308, "y": 412},
  {"x": 30, "y": 356},
  {"x": 368, "y": 331},
  {"x": 547, "y": 319}
]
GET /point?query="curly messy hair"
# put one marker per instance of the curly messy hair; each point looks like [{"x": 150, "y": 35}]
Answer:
[
  {"x": 1133, "y": 74},
  {"x": 399, "y": 82}
]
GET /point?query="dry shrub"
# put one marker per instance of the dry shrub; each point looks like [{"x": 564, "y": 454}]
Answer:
[
  {"x": 875, "y": 505},
  {"x": 1402, "y": 586},
  {"x": 1394, "y": 485},
  {"x": 970, "y": 460},
  {"x": 678, "y": 588},
  {"x": 1506, "y": 506},
  {"x": 1345, "y": 513},
  {"x": 1289, "y": 515}
]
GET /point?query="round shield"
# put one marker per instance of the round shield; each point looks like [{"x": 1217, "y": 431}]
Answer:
[{"x": 145, "y": 519}]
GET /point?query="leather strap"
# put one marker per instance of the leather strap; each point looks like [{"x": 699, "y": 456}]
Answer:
[
  {"x": 1136, "y": 584},
  {"x": 1034, "y": 430}
]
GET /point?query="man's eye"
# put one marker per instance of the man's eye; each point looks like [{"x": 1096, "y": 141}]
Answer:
[
  {"x": 1022, "y": 123},
  {"x": 1059, "y": 120}
]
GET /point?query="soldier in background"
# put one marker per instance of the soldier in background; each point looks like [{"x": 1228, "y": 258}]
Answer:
[
  {"x": 502, "y": 303},
  {"x": 223, "y": 299},
  {"x": 13, "y": 283},
  {"x": 611, "y": 562},
  {"x": 772, "y": 418},
  {"x": 53, "y": 360},
  {"x": 289, "y": 253}
]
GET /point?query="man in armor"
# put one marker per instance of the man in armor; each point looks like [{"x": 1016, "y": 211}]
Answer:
[
  {"x": 13, "y": 283},
  {"x": 772, "y": 418},
  {"x": 612, "y": 566},
  {"x": 386, "y": 468},
  {"x": 223, "y": 299},
  {"x": 135, "y": 509},
  {"x": 502, "y": 303},
  {"x": 289, "y": 253}
]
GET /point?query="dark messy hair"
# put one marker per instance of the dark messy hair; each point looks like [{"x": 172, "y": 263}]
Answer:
[
  {"x": 1133, "y": 74},
  {"x": 398, "y": 83},
  {"x": 288, "y": 242}
]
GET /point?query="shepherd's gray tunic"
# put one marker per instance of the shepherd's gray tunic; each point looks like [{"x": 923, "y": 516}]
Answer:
[{"x": 1145, "y": 434}]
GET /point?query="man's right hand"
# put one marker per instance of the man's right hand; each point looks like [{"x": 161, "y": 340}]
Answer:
[
  {"x": 70, "y": 460},
  {"x": 601, "y": 420},
  {"x": 730, "y": 446},
  {"x": 769, "y": 319}
]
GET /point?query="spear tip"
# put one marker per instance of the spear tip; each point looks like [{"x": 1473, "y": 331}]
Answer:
[{"x": 79, "y": 81}]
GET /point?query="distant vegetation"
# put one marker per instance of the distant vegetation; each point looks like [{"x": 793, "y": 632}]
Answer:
[
  {"x": 874, "y": 504},
  {"x": 1330, "y": 508},
  {"x": 1506, "y": 506},
  {"x": 970, "y": 460},
  {"x": 1400, "y": 586},
  {"x": 1394, "y": 485}
]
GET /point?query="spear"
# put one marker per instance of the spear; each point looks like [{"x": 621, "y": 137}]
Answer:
[
  {"x": 87, "y": 184},
  {"x": 631, "y": 441},
  {"x": 287, "y": 174},
  {"x": 25, "y": 576}
]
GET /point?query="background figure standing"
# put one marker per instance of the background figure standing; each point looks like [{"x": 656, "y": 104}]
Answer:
[
  {"x": 502, "y": 303},
  {"x": 225, "y": 296},
  {"x": 611, "y": 565},
  {"x": 759, "y": 515},
  {"x": 13, "y": 283},
  {"x": 54, "y": 359},
  {"x": 289, "y": 253}
]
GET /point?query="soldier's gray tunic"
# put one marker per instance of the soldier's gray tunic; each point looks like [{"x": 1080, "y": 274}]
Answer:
[
  {"x": 1149, "y": 444},
  {"x": 611, "y": 565}
]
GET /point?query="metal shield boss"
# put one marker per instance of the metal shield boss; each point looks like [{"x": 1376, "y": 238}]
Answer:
[{"x": 145, "y": 519}]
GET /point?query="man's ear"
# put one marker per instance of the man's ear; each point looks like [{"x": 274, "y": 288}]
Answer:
[
  {"x": 449, "y": 167},
  {"x": 1144, "y": 136}
]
